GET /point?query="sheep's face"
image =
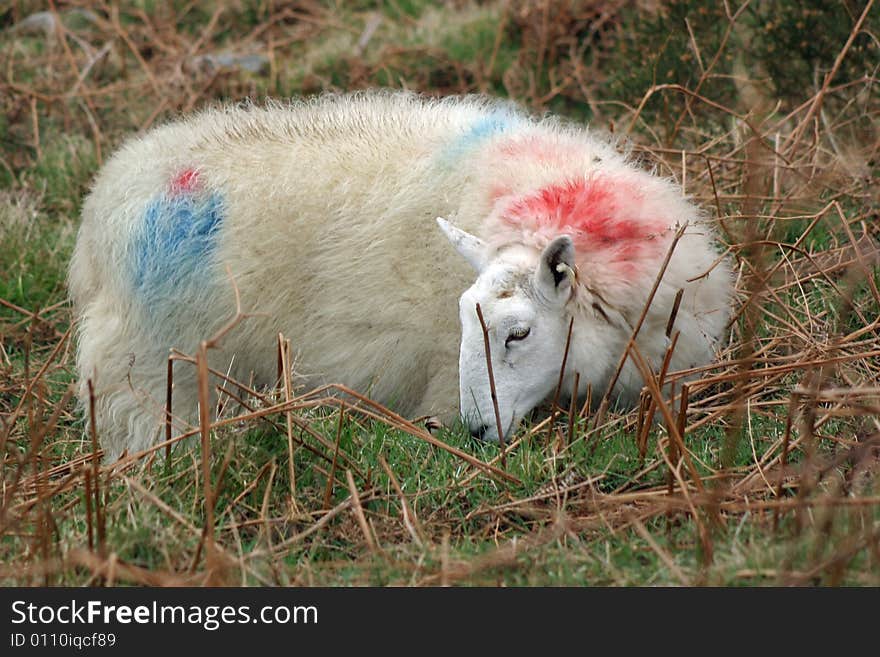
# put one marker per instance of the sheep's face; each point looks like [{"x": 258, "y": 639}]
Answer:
[{"x": 523, "y": 298}]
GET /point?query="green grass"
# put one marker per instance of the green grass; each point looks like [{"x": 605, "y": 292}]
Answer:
[{"x": 581, "y": 505}]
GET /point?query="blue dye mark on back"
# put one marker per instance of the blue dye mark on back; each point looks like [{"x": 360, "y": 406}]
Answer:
[
  {"x": 498, "y": 122},
  {"x": 175, "y": 243}
]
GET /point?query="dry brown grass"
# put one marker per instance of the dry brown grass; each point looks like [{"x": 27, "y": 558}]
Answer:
[{"x": 783, "y": 433}]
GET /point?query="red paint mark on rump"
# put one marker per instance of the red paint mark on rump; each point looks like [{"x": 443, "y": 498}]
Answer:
[{"x": 185, "y": 182}]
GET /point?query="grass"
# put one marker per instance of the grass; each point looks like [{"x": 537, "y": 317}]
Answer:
[{"x": 778, "y": 481}]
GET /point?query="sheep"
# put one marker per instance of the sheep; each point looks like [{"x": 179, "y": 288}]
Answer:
[{"x": 324, "y": 214}]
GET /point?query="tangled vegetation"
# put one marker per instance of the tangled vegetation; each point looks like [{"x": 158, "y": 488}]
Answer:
[{"x": 766, "y": 113}]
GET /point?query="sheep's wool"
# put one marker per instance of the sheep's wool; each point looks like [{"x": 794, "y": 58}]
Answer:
[{"x": 322, "y": 214}]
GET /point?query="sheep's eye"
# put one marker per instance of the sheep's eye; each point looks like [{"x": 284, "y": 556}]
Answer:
[{"x": 517, "y": 334}]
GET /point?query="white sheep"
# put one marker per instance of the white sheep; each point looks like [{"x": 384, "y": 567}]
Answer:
[{"x": 324, "y": 213}]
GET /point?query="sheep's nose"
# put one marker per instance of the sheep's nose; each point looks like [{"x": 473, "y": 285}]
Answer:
[{"x": 480, "y": 431}]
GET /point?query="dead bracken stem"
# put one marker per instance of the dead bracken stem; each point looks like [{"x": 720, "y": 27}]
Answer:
[
  {"x": 558, "y": 390},
  {"x": 284, "y": 346},
  {"x": 328, "y": 492},
  {"x": 554, "y": 405},
  {"x": 359, "y": 512},
  {"x": 279, "y": 347},
  {"x": 682, "y": 409},
  {"x": 88, "y": 500},
  {"x": 674, "y": 312},
  {"x": 492, "y": 384},
  {"x": 168, "y": 397},
  {"x": 645, "y": 420},
  {"x": 680, "y": 429},
  {"x": 786, "y": 441},
  {"x": 572, "y": 408},
  {"x": 663, "y": 554},
  {"x": 671, "y": 424},
  {"x": 96, "y": 477},
  {"x": 632, "y": 338},
  {"x": 410, "y": 520},
  {"x": 205, "y": 430}
]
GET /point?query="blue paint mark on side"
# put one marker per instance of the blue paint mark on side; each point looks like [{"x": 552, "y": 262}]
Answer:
[
  {"x": 174, "y": 246},
  {"x": 498, "y": 122}
]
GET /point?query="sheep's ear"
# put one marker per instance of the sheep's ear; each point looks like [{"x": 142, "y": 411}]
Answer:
[
  {"x": 556, "y": 270},
  {"x": 471, "y": 248}
]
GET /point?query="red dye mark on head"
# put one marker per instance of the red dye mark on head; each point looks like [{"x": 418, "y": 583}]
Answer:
[
  {"x": 591, "y": 208},
  {"x": 185, "y": 182},
  {"x": 607, "y": 218}
]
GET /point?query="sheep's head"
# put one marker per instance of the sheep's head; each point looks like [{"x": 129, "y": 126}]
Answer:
[{"x": 523, "y": 296}]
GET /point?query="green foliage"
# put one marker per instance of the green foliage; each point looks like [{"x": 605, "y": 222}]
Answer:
[
  {"x": 797, "y": 42},
  {"x": 654, "y": 47}
]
